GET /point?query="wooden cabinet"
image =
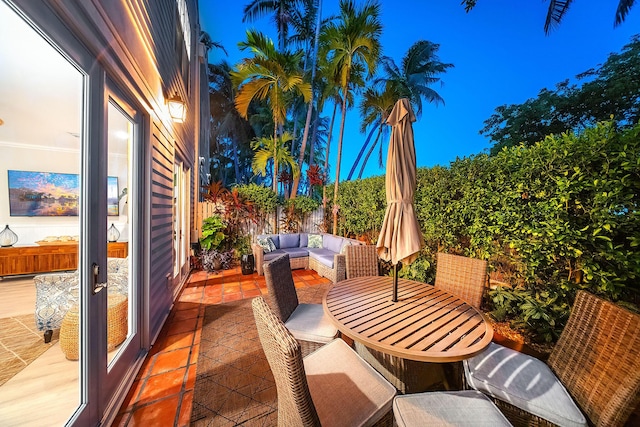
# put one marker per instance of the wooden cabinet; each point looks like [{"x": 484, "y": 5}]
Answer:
[
  {"x": 118, "y": 250},
  {"x": 34, "y": 259}
]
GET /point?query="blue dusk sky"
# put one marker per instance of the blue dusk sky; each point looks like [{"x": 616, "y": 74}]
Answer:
[{"x": 500, "y": 53}]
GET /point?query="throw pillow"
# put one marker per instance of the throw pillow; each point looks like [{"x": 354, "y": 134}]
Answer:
[
  {"x": 343, "y": 250},
  {"x": 267, "y": 244},
  {"x": 315, "y": 241}
]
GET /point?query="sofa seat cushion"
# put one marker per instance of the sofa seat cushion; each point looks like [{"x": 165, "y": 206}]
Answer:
[
  {"x": 296, "y": 252},
  {"x": 293, "y": 253},
  {"x": 324, "y": 256},
  {"x": 525, "y": 382},
  {"x": 308, "y": 322}
]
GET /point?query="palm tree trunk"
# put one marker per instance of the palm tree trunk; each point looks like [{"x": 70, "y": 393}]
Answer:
[
  {"x": 326, "y": 158},
  {"x": 303, "y": 147},
  {"x": 364, "y": 147},
  {"x": 275, "y": 158},
  {"x": 313, "y": 144},
  {"x": 366, "y": 159},
  {"x": 339, "y": 158},
  {"x": 314, "y": 132},
  {"x": 236, "y": 166}
]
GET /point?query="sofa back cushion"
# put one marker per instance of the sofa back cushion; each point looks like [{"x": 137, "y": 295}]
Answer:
[
  {"x": 331, "y": 242},
  {"x": 304, "y": 240},
  {"x": 289, "y": 240}
]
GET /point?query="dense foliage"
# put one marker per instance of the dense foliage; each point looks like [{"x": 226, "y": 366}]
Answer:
[
  {"x": 551, "y": 218},
  {"x": 608, "y": 92},
  {"x": 213, "y": 233},
  {"x": 295, "y": 211}
]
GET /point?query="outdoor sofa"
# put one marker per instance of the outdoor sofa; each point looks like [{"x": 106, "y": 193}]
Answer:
[{"x": 321, "y": 252}]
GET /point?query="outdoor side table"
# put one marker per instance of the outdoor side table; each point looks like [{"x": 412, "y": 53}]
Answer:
[{"x": 426, "y": 324}]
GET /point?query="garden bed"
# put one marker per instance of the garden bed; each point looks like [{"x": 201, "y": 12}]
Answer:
[{"x": 505, "y": 335}]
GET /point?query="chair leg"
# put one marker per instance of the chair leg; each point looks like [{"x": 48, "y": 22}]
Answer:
[{"x": 47, "y": 335}]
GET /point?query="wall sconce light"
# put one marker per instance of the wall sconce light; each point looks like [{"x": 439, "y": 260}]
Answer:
[{"x": 177, "y": 109}]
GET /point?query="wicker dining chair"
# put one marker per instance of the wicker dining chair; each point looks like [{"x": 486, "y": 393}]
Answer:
[
  {"x": 331, "y": 387},
  {"x": 307, "y": 322},
  {"x": 361, "y": 260},
  {"x": 595, "y": 364},
  {"x": 462, "y": 276}
]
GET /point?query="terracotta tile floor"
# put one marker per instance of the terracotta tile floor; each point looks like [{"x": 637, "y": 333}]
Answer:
[{"x": 162, "y": 393}]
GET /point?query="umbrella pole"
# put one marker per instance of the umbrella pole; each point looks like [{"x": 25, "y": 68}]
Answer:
[{"x": 395, "y": 283}]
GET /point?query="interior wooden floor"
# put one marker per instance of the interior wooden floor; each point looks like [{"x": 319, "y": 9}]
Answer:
[{"x": 45, "y": 393}]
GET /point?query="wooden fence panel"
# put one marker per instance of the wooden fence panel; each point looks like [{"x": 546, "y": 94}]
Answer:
[{"x": 311, "y": 224}]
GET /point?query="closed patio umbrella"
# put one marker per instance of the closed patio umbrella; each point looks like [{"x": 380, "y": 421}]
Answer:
[{"x": 400, "y": 238}]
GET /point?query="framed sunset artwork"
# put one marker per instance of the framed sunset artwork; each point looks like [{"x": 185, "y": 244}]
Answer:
[{"x": 51, "y": 194}]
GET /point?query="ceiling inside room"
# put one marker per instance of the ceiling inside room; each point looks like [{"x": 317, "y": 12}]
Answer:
[{"x": 41, "y": 92}]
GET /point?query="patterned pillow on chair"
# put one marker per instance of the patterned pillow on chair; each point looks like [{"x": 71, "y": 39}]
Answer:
[
  {"x": 315, "y": 241},
  {"x": 267, "y": 244}
]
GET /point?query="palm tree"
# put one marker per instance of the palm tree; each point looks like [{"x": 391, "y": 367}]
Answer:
[
  {"x": 270, "y": 75},
  {"x": 419, "y": 70},
  {"x": 209, "y": 43},
  {"x": 420, "y": 67},
  {"x": 352, "y": 42},
  {"x": 282, "y": 11},
  {"x": 296, "y": 181},
  {"x": 228, "y": 124},
  {"x": 557, "y": 9},
  {"x": 275, "y": 150}
]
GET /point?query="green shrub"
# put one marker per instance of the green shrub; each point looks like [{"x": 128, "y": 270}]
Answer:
[
  {"x": 212, "y": 233},
  {"x": 551, "y": 218}
]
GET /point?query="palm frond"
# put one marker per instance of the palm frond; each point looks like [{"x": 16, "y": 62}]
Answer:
[
  {"x": 555, "y": 13},
  {"x": 623, "y": 9}
]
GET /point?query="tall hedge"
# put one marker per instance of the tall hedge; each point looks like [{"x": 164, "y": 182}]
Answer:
[{"x": 552, "y": 218}]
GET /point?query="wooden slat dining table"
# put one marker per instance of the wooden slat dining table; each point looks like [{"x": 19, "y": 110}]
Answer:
[{"x": 426, "y": 324}]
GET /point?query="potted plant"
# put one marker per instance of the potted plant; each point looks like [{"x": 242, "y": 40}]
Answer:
[
  {"x": 211, "y": 242},
  {"x": 243, "y": 248}
]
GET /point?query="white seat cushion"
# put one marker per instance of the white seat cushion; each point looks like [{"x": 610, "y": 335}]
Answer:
[
  {"x": 345, "y": 390},
  {"x": 525, "y": 382},
  {"x": 453, "y": 408},
  {"x": 308, "y": 322}
]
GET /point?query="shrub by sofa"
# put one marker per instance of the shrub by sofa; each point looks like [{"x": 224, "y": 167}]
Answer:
[{"x": 328, "y": 260}]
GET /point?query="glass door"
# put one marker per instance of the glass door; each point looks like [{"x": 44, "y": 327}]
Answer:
[
  {"x": 181, "y": 224},
  {"x": 122, "y": 322},
  {"x": 69, "y": 141},
  {"x": 43, "y": 107}
]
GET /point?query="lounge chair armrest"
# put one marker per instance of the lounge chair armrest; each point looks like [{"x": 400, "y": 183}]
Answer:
[
  {"x": 258, "y": 257},
  {"x": 340, "y": 266}
]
